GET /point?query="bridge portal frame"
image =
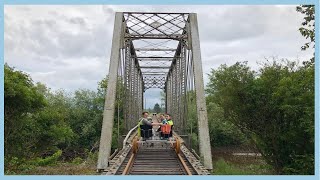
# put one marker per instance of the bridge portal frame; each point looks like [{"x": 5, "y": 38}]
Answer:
[{"x": 191, "y": 37}]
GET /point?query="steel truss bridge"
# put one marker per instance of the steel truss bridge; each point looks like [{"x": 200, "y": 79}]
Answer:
[{"x": 155, "y": 50}]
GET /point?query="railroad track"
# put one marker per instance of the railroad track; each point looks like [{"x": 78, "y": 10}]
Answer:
[
  {"x": 156, "y": 161},
  {"x": 155, "y": 157}
]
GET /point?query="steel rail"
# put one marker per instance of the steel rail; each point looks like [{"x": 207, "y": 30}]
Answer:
[
  {"x": 156, "y": 161},
  {"x": 114, "y": 154},
  {"x": 165, "y": 158},
  {"x": 128, "y": 135},
  {"x": 129, "y": 165},
  {"x": 184, "y": 164}
]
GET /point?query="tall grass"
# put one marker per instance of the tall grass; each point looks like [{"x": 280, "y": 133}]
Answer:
[{"x": 221, "y": 167}]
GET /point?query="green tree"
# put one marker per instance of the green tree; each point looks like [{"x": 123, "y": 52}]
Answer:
[
  {"x": 53, "y": 123},
  {"x": 157, "y": 108},
  {"x": 222, "y": 132},
  {"x": 274, "y": 108},
  {"x": 40, "y": 122},
  {"x": 21, "y": 101},
  {"x": 308, "y": 27},
  {"x": 192, "y": 120},
  {"x": 35, "y": 120}
]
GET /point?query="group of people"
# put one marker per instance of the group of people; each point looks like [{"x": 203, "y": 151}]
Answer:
[{"x": 145, "y": 125}]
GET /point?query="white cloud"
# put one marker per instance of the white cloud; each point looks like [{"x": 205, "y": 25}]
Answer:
[{"x": 69, "y": 46}]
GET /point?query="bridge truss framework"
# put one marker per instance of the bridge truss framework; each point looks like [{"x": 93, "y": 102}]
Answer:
[{"x": 155, "y": 50}]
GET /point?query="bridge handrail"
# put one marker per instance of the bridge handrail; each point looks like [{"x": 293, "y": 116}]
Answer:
[{"x": 128, "y": 135}]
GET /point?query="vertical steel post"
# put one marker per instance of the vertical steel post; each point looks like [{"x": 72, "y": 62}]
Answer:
[
  {"x": 127, "y": 84},
  {"x": 178, "y": 84},
  {"x": 183, "y": 89},
  {"x": 109, "y": 107},
  {"x": 204, "y": 144}
]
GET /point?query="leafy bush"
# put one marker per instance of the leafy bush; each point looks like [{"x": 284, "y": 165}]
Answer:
[
  {"x": 50, "y": 160},
  {"x": 77, "y": 160},
  {"x": 222, "y": 132},
  {"x": 274, "y": 108}
]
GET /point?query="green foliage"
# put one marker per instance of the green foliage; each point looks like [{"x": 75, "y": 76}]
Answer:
[
  {"x": 86, "y": 118},
  {"x": 192, "y": 119},
  {"x": 194, "y": 141},
  {"x": 16, "y": 164},
  {"x": 221, "y": 167},
  {"x": 157, "y": 108},
  {"x": 274, "y": 108},
  {"x": 77, "y": 160},
  {"x": 23, "y": 165},
  {"x": 92, "y": 158},
  {"x": 50, "y": 160},
  {"x": 22, "y": 101},
  {"x": 12, "y": 164},
  {"x": 54, "y": 132},
  {"x": 308, "y": 25},
  {"x": 222, "y": 132},
  {"x": 307, "y": 29},
  {"x": 39, "y": 122},
  {"x": 21, "y": 93}
]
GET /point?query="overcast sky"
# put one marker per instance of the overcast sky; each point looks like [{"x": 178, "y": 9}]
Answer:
[{"x": 68, "y": 47}]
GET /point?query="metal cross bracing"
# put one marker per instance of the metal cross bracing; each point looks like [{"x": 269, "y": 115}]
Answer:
[{"x": 155, "y": 50}]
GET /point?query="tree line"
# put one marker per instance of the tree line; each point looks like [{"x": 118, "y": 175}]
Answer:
[
  {"x": 274, "y": 108},
  {"x": 40, "y": 122}
]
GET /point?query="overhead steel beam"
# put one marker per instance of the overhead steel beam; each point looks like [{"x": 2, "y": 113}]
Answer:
[
  {"x": 154, "y": 67},
  {"x": 153, "y": 13},
  {"x": 153, "y": 74},
  {"x": 154, "y": 49},
  {"x": 146, "y": 58},
  {"x": 157, "y": 73},
  {"x": 154, "y": 57},
  {"x": 156, "y": 36}
]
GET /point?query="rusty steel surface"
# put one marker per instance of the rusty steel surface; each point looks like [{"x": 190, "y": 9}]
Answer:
[
  {"x": 185, "y": 166},
  {"x": 129, "y": 164}
]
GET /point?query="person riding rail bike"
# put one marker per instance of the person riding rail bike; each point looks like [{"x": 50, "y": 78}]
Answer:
[
  {"x": 145, "y": 126},
  {"x": 166, "y": 128},
  {"x": 170, "y": 122}
]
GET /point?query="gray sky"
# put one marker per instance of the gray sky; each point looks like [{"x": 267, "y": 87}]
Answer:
[{"x": 68, "y": 47}]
